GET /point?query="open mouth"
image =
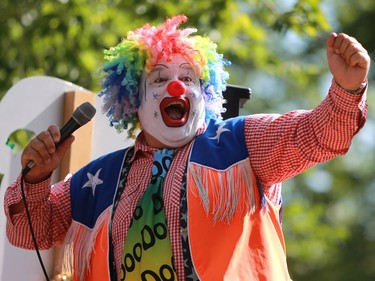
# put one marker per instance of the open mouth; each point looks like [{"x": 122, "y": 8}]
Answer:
[{"x": 175, "y": 111}]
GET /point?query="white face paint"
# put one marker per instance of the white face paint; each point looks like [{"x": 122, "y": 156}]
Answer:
[{"x": 170, "y": 119}]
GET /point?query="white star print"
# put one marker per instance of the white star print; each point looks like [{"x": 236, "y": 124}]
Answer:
[
  {"x": 219, "y": 131},
  {"x": 93, "y": 181},
  {"x": 184, "y": 217}
]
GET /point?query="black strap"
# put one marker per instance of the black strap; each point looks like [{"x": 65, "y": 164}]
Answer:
[{"x": 122, "y": 182}]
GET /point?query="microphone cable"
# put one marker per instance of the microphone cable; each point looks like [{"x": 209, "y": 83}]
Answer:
[
  {"x": 81, "y": 115},
  {"x": 31, "y": 227}
]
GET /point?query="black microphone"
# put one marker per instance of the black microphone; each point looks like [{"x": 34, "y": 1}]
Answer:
[{"x": 83, "y": 114}]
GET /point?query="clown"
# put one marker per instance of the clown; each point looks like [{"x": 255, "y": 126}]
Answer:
[{"x": 196, "y": 197}]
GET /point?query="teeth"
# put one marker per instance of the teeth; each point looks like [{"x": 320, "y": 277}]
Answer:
[{"x": 176, "y": 103}]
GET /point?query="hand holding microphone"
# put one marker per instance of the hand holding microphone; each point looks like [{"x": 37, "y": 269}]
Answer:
[{"x": 44, "y": 153}]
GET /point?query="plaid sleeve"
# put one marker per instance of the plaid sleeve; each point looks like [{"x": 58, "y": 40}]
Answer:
[
  {"x": 282, "y": 146},
  {"x": 49, "y": 208}
]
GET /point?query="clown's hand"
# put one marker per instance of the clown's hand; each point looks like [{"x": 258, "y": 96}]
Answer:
[
  {"x": 46, "y": 156},
  {"x": 348, "y": 61}
]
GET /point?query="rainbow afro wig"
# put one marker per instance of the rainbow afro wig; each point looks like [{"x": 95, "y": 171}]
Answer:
[{"x": 140, "y": 51}]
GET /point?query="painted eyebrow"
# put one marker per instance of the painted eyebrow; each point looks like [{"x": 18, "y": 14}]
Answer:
[
  {"x": 186, "y": 65},
  {"x": 161, "y": 66},
  {"x": 157, "y": 67}
]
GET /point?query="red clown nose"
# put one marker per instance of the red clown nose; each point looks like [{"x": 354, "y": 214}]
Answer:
[{"x": 176, "y": 88}]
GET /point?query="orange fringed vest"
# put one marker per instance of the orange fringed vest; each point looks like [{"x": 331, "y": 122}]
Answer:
[{"x": 232, "y": 234}]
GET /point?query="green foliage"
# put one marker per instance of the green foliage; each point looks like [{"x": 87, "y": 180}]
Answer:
[
  {"x": 306, "y": 17},
  {"x": 66, "y": 38},
  {"x": 18, "y": 139}
]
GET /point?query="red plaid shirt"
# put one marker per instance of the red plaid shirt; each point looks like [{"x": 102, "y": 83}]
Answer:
[{"x": 280, "y": 147}]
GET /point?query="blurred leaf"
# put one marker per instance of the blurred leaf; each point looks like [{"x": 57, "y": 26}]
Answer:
[{"x": 18, "y": 139}]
